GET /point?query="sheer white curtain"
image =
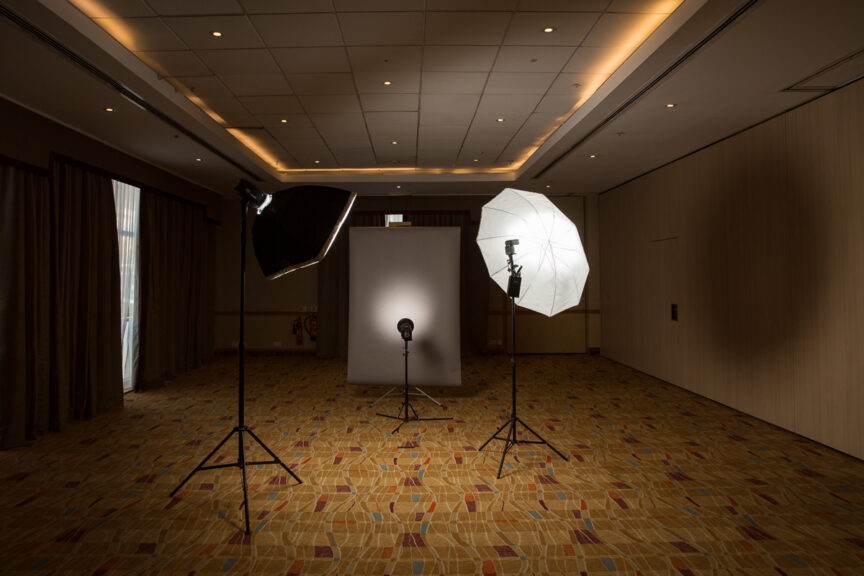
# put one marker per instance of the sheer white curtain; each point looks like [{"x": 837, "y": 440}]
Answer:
[{"x": 126, "y": 201}]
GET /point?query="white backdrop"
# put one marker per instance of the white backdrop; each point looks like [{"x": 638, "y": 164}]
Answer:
[{"x": 404, "y": 273}]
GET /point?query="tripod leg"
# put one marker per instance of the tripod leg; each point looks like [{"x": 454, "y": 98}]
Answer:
[
  {"x": 276, "y": 458},
  {"x": 511, "y": 440},
  {"x": 493, "y": 435},
  {"x": 204, "y": 461},
  {"x": 543, "y": 440},
  {"x": 242, "y": 462}
]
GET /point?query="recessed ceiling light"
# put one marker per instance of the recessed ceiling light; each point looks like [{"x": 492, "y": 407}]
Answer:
[
  {"x": 197, "y": 159},
  {"x": 109, "y": 109},
  {"x": 317, "y": 161},
  {"x": 670, "y": 105},
  {"x": 476, "y": 159},
  {"x": 394, "y": 142},
  {"x": 398, "y": 187},
  {"x": 216, "y": 33},
  {"x": 284, "y": 120},
  {"x": 592, "y": 156},
  {"x": 386, "y": 83},
  {"x": 548, "y": 185},
  {"x": 500, "y": 119},
  {"x": 548, "y": 29}
]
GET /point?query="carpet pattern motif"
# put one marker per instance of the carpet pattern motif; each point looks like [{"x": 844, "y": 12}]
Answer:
[{"x": 659, "y": 481}]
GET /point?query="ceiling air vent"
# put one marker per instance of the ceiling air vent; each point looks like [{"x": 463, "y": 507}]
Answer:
[{"x": 833, "y": 76}]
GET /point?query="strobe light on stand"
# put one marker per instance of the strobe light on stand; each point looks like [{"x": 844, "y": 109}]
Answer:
[
  {"x": 407, "y": 412},
  {"x": 550, "y": 277},
  {"x": 293, "y": 229}
]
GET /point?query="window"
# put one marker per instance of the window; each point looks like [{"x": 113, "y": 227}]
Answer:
[
  {"x": 126, "y": 202},
  {"x": 390, "y": 218}
]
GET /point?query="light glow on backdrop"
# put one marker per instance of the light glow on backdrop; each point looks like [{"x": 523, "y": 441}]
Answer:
[{"x": 400, "y": 273}]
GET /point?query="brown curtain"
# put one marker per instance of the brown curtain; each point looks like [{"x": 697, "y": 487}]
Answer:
[
  {"x": 86, "y": 361},
  {"x": 59, "y": 300},
  {"x": 333, "y": 283},
  {"x": 25, "y": 323},
  {"x": 176, "y": 316}
]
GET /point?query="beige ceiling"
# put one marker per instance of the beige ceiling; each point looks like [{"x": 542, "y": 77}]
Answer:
[
  {"x": 294, "y": 90},
  {"x": 348, "y": 84}
]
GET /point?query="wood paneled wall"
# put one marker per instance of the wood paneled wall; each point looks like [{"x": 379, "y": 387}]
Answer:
[{"x": 759, "y": 240}]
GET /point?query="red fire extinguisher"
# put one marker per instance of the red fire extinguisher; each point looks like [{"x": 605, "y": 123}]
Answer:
[
  {"x": 312, "y": 327},
  {"x": 297, "y": 329}
]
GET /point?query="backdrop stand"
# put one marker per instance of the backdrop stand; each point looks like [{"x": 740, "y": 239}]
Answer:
[
  {"x": 407, "y": 413},
  {"x": 240, "y": 430},
  {"x": 511, "y": 439},
  {"x": 418, "y": 393}
]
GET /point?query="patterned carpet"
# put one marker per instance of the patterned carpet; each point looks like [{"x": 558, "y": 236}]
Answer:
[{"x": 659, "y": 481}]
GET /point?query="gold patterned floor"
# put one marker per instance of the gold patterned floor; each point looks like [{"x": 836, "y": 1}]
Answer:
[{"x": 658, "y": 481}]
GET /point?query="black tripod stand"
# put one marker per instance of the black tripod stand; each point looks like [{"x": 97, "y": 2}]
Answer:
[
  {"x": 407, "y": 413},
  {"x": 513, "y": 287},
  {"x": 241, "y": 428}
]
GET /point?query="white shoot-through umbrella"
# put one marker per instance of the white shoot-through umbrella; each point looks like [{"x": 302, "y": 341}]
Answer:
[
  {"x": 533, "y": 252},
  {"x": 554, "y": 267}
]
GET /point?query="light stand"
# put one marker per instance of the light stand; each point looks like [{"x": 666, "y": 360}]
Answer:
[
  {"x": 513, "y": 289},
  {"x": 407, "y": 413},
  {"x": 241, "y": 428}
]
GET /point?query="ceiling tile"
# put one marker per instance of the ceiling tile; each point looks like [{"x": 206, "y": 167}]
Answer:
[
  {"x": 577, "y": 84},
  {"x": 616, "y": 30},
  {"x": 257, "y": 84},
  {"x": 371, "y": 58},
  {"x": 188, "y": 7},
  {"x": 349, "y": 128},
  {"x": 644, "y": 6},
  {"x": 466, "y": 28},
  {"x": 389, "y": 102},
  {"x": 470, "y": 5},
  {"x": 175, "y": 63},
  {"x": 232, "y": 112},
  {"x": 378, "y": 5},
  {"x": 286, "y": 6},
  {"x": 359, "y": 157},
  {"x": 448, "y": 109},
  {"x": 401, "y": 82},
  {"x": 311, "y": 60},
  {"x": 381, "y": 28},
  {"x": 142, "y": 34},
  {"x": 307, "y": 151},
  {"x": 206, "y": 86},
  {"x": 532, "y": 58},
  {"x": 459, "y": 58},
  {"x": 519, "y": 83},
  {"x": 563, "y": 5},
  {"x": 391, "y": 119},
  {"x": 322, "y": 83},
  {"x": 570, "y": 28},
  {"x": 195, "y": 31},
  {"x": 556, "y": 104},
  {"x": 453, "y": 82},
  {"x": 255, "y": 61},
  {"x": 285, "y": 30},
  {"x": 514, "y": 108},
  {"x": 274, "y": 122},
  {"x": 331, "y": 104},
  {"x": 115, "y": 9},
  {"x": 272, "y": 104},
  {"x": 591, "y": 60}
]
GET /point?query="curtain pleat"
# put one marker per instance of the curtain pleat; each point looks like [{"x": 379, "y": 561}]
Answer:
[
  {"x": 176, "y": 332},
  {"x": 86, "y": 375},
  {"x": 25, "y": 343}
]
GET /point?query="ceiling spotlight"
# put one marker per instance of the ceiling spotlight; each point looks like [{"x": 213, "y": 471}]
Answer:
[
  {"x": 500, "y": 119},
  {"x": 216, "y": 33},
  {"x": 317, "y": 161},
  {"x": 548, "y": 185},
  {"x": 197, "y": 159},
  {"x": 670, "y": 105},
  {"x": 109, "y": 109},
  {"x": 592, "y": 156},
  {"x": 476, "y": 159},
  {"x": 548, "y": 29},
  {"x": 284, "y": 120},
  {"x": 386, "y": 83},
  {"x": 394, "y": 142},
  {"x": 398, "y": 186}
]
